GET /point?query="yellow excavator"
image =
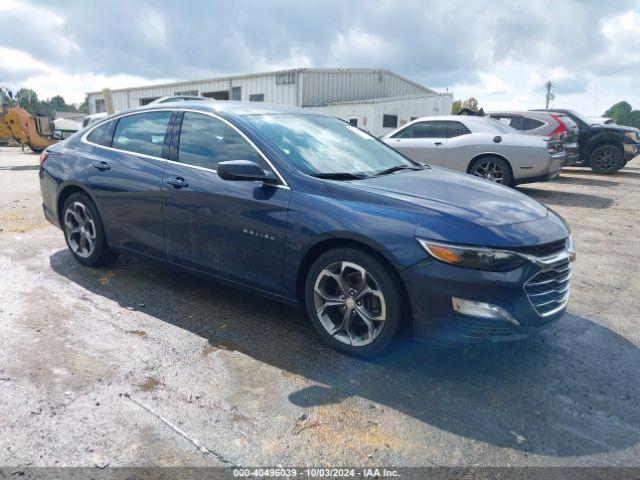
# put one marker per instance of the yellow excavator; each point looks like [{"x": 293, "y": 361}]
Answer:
[{"x": 18, "y": 124}]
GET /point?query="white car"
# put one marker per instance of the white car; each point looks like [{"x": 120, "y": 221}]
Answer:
[{"x": 480, "y": 146}]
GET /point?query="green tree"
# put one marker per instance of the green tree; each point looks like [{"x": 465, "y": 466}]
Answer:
[
  {"x": 58, "y": 103},
  {"x": 27, "y": 99},
  {"x": 623, "y": 114},
  {"x": 470, "y": 103}
]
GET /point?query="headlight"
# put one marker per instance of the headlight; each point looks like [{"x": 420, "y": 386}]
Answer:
[
  {"x": 633, "y": 136},
  {"x": 478, "y": 258}
]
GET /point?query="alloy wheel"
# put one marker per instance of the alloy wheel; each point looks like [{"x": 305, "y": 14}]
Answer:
[
  {"x": 80, "y": 229},
  {"x": 490, "y": 170},
  {"x": 350, "y": 303},
  {"x": 605, "y": 159}
]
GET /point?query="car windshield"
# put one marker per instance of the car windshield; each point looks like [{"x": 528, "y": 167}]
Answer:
[
  {"x": 321, "y": 145},
  {"x": 581, "y": 117}
]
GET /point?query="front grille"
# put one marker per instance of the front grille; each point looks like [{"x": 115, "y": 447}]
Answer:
[
  {"x": 545, "y": 250},
  {"x": 548, "y": 290}
]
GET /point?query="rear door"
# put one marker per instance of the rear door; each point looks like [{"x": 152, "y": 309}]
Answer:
[
  {"x": 126, "y": 179},
  {"x": 232, "y": 229},
  {"x": 422, "y": 142}
]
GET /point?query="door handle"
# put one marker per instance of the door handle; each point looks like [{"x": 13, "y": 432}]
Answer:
[
  {"x": 438, "y": 144},
  {"x": 177, "y": 182},
  {"x": 102, "y": 166}
]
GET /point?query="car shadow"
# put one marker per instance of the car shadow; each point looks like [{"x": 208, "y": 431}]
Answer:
[
  {"x": 570, "y": 391},
  {"x": 630, "y": 172},
  {"x": 568, "y": 199},
  {"x": 19, "y": 168},
  {"x": 578, "y": 180}
]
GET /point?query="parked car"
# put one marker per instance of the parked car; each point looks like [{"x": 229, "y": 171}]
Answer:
[
  {"x": 557, "y": 128},
  {"x": 93, "y": 117},
  {"x": 180, "y": 98},
  {"x": 604, "y": 148},
  {"x": 477, "y": 145},
  {"x": 309, "y": 210}
]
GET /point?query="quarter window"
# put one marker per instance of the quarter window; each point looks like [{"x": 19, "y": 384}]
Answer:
[
  {"x": 435, "y": 129},
  {"x": 456, "y": 129},
  {"x": 206, "y": 141},
  {"x": 102, "y": 134},
  {"x": 142, "y": 133}
]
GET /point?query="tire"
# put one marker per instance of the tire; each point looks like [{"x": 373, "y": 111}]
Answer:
[
  {"x": 494, "y": 169},
  {"x": 81, "y": 221},
  {"x": 606, "y": 159},
  {"x": 377, "y": 300}
]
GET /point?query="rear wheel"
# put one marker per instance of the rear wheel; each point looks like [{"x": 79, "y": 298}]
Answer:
[
  {"x": 83, "y": 231},
  {"x": 353, "y": 302},
  {"x": 606, "y": 159},
  {"x": 494, "y": 169}
]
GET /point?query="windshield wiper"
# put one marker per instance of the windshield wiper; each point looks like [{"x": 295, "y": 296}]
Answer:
[
  {"x": 398, "y": 168},
  {"x": 339, "y": 176}
]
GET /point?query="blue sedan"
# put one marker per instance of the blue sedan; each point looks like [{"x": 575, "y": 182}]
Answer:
[{"x": 309, "y": 210}]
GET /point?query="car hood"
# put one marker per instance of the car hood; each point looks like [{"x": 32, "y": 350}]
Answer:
[
  {"x": 619, "y": 128},
  {"x": 454, "y": 194}
]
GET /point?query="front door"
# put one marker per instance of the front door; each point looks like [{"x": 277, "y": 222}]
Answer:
[
  {"x": 423, "y": 142},
  {"x": 233, "y": 229}
]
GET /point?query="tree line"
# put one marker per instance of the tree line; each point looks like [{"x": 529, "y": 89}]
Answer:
[{"x": 28, "y": 99}]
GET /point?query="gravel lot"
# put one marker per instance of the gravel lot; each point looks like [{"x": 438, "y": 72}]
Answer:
[{"x": 137, "y": 365}]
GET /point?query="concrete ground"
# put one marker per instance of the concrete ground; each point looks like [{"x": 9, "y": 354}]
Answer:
[{"x": 137, "y": 365}]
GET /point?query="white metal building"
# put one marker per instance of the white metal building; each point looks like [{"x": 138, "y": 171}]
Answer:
[{"x": 376, "y": 100}]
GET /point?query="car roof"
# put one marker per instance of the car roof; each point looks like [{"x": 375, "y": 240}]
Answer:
[
  {"x": 226, "y": 107},
  {"x": 465, "y": 119}
]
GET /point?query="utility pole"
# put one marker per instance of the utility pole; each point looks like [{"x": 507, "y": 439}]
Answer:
[{"x": 550, "y": 96}]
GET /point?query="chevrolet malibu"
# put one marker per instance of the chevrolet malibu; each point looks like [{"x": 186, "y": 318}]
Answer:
[{"x": 309, "y": 210}]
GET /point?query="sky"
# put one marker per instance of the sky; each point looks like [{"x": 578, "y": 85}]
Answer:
[{"x": 501, "y": 52}]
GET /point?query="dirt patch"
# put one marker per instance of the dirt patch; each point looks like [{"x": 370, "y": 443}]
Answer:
[
  {"x": 137, "y": 333},
  {"x": 150, "y": 385}
]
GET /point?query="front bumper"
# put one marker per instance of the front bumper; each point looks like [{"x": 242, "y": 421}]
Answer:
[
  {"x": 432, "y": 284},
  {"x": 631, "y": 150}
]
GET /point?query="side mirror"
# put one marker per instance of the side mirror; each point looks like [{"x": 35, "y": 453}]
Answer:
[{"x": 242, "y": 170}]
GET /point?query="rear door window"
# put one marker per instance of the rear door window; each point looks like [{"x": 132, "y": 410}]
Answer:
[
  {"x": 142, "y": 133},
  {"x": 514, "y": 121},
  {"x": 531, "y": 123},
  {"x": 102, "y": 134},
  {"x": 206, "y": 141}
]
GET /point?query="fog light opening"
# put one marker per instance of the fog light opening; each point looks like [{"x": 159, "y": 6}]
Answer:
[{"x": 474, "y": 308}]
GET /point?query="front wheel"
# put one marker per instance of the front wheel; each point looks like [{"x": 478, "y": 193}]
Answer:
[
  {"x": 606, "y": 159},
  {"x": 83, "y": 231},
  {"x": 353, "y": 302},
  {"x": 494, "y": 169}
]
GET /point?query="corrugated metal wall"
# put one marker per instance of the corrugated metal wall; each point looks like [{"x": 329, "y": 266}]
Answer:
[
  {"x": 370, "y": 114},
  {"x": 302, "y": 88},
  {"x": 319, "y": 87}
]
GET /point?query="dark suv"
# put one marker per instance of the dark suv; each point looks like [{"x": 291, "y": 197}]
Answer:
[{"x": 604, "y": 148}]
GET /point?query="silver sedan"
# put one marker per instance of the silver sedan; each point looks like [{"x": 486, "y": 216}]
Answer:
[{"x": 480, "y": 146}]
